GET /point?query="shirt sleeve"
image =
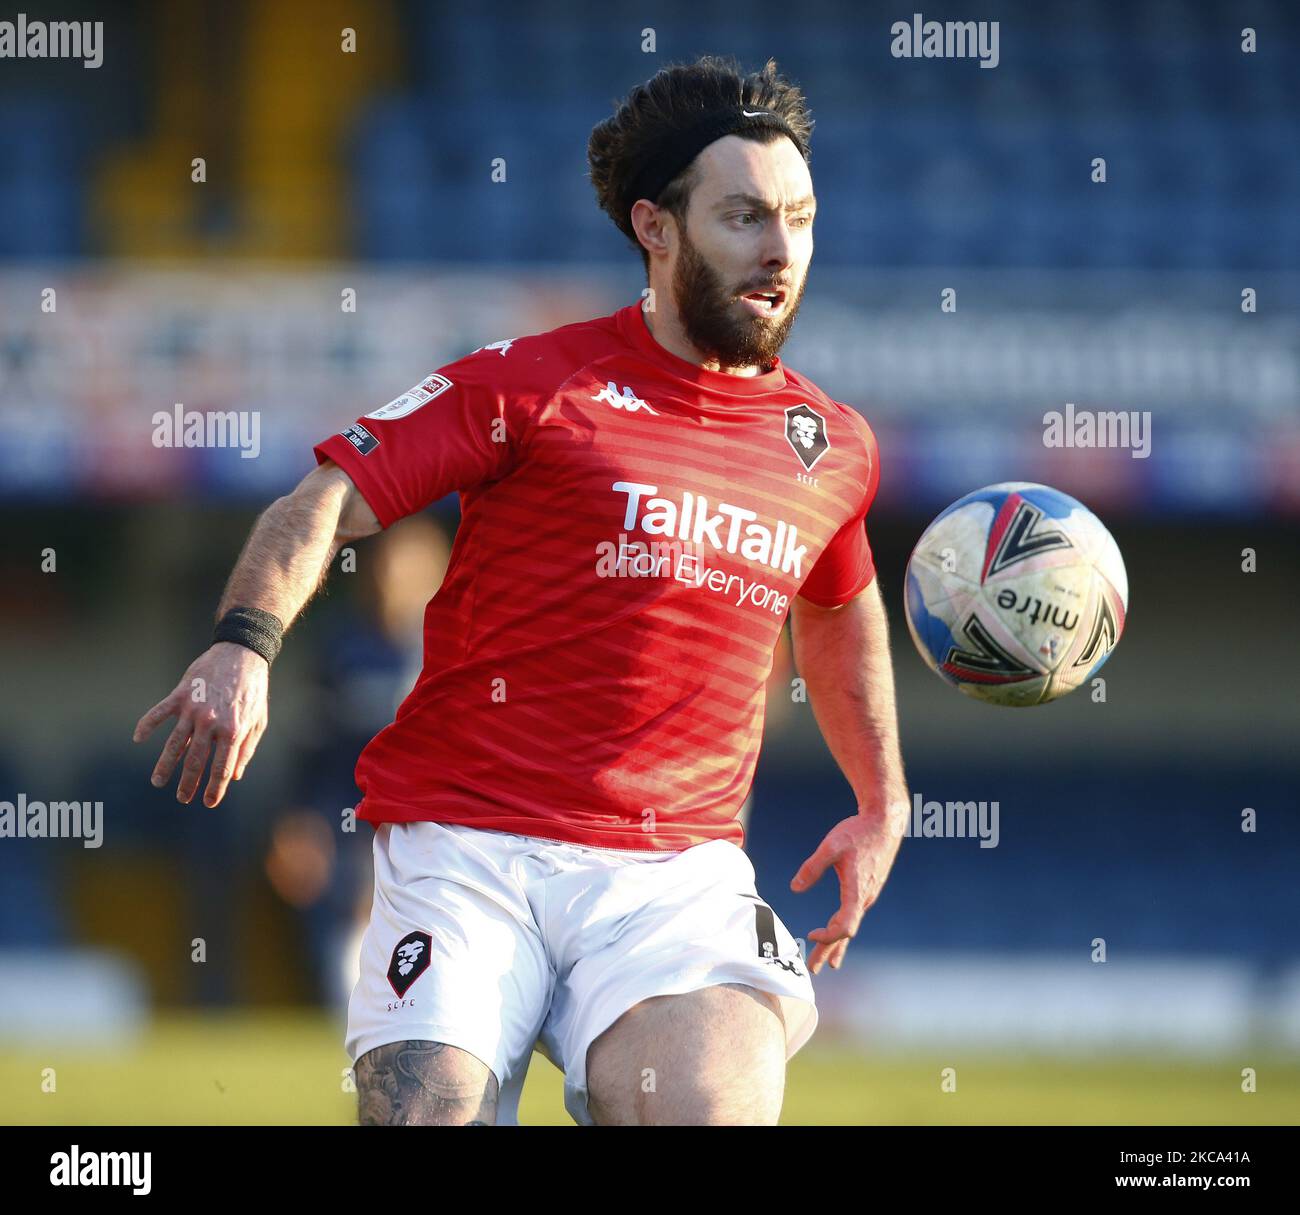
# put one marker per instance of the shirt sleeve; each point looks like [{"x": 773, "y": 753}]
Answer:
[
  {"x": 845, "y": 567},
  {"x": 459, "y": 428}
]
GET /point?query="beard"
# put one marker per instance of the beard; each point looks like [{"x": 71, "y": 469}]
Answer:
[{"x": 715, "y": 324}]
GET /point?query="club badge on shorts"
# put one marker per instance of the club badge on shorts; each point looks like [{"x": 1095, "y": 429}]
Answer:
[{"x": 409, "y": 961}]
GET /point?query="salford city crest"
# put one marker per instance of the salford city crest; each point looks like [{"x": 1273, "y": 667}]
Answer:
[
  {"x": 805, "y": 431},
  {"x": 409, "y": 961}
]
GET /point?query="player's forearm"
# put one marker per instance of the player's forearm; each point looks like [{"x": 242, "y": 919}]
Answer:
[
  {"x": 843, "y": 656},
  {"x": 288, "y": 552}
]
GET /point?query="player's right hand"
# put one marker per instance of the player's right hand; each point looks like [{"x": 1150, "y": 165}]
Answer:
[{"x": 221, "y": 703}]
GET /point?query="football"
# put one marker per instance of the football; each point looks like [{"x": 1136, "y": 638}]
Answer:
[{"x": 1016, "y": 594}]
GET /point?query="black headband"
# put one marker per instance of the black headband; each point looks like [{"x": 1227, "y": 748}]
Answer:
[{"x": 677, "y": 149}]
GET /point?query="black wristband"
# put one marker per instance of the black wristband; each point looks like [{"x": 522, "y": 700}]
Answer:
[{"x": 262, "y": 632}]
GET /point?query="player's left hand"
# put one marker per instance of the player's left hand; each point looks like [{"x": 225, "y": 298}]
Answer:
[{"x": 862, "y": 850}]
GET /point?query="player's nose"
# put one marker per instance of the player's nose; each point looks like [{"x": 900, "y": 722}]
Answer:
[{"x": 778, "y": 246}]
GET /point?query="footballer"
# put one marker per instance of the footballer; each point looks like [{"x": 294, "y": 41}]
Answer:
[{"x": 646, "y": 497}]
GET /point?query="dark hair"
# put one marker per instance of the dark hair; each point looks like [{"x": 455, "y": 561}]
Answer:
[{"x": 672, "y": 98}]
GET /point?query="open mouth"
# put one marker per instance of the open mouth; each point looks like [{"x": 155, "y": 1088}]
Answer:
[{"x": 766, "y": 301}]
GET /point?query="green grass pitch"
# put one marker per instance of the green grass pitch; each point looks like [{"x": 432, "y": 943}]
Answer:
[{"x": 290, "y": 1069}]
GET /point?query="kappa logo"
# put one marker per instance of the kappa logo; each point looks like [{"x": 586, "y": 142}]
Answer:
[
  {"x": 769, "y": 948},
  {"x": 626, "y": 400},
  {"x": 432, "y": 386},
  {"x": 805, "y": 431},
  {"x": 409, "y": 961},
  {"x": 502, "y": 347}
]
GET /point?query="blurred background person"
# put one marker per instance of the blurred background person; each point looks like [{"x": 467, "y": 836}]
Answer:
[{"x": 319, "y": 861}]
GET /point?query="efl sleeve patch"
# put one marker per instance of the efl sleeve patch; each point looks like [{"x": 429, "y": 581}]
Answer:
[{"x": 424, "y": 392}]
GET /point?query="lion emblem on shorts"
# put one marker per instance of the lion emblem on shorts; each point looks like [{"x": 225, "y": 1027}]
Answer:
[{"x": 409, "y": 961}]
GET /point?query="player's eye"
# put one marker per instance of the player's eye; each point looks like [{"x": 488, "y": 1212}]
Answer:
[{"x": 802, "y": 221}]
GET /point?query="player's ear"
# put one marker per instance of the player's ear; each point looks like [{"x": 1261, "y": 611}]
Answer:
[{"x": 650, "y": 222}]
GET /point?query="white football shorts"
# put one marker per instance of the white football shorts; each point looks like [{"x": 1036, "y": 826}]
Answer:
[{"x": 494, "y": 942}]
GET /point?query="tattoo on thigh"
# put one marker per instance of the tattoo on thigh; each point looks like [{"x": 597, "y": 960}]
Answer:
[{"x": 421, "y": 1083}]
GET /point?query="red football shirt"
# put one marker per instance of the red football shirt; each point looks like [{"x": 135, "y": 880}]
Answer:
[{"x": 633, "y": 528}]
